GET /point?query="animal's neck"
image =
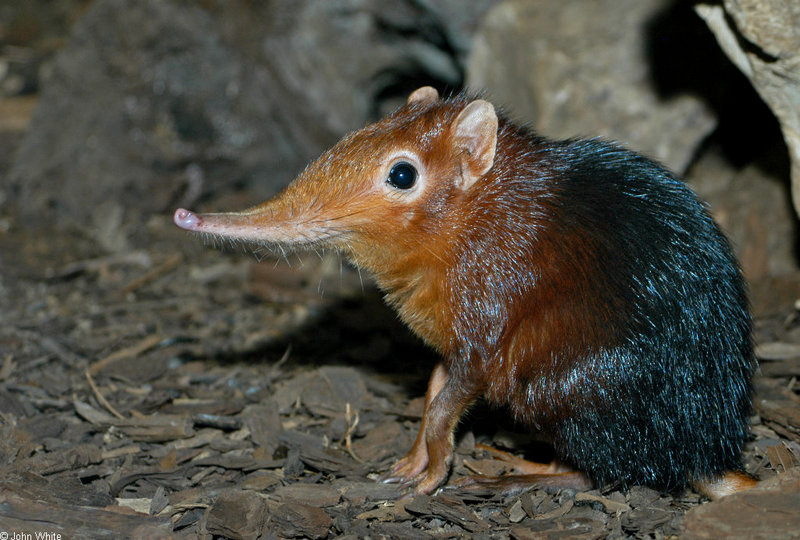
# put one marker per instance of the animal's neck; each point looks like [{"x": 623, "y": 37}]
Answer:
[
  {"x": 422, "y": 306},
  {"x": 414, "y": 287}
]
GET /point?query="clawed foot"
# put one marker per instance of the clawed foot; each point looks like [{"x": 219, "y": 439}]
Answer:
[
  {"x": 403, "y": 472},
  {"x": 417, "y": 475}
]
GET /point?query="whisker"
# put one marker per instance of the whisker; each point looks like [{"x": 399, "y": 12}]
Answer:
[
  {"x": 283, "y": 253},
  {"x": 360, "y": 279}
]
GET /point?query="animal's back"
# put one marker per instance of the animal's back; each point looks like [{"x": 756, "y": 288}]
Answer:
[{"x": 627, "y": 336}]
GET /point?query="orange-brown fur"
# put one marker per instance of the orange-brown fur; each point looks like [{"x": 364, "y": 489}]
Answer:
[{"x": 556, "y": 313}]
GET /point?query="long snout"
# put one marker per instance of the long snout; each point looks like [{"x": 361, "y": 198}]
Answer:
[
  {"x": 267, "y": 223},
  {"x": 247, "y": 225}
]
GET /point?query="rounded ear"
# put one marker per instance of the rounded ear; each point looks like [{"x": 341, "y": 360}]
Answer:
[
  {"x": 475, "y": 140},
  {"x": 423, "y": 95}
]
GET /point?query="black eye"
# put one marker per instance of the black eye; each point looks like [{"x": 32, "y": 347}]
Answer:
[{"x": 403, "y": 175}]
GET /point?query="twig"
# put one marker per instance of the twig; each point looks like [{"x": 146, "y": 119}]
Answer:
[
  {"x": 134, "y": 350},
  {"x": 100, "y": 397},
  {"x": 152, "y": 274},
  {"x": 93, "y": 265},
  {"x": 351, "y": 427},
  {"x": 8, "y": 368},
  {"x": 274, "y": 370}
]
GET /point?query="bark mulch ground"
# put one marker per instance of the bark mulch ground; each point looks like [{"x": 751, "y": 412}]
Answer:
[{"x": 180, "y": 391}]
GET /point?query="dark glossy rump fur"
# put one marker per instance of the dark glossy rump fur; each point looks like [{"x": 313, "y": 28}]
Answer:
[
  {"x": 674, "y": 396},
  {"x": 633, "y": 346}
]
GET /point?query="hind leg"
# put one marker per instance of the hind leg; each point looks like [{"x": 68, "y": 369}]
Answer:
[
  {"x": 525, "y": 475},
  {"x": 523, "y": 466},
  {"x": 517, "y": 483}
]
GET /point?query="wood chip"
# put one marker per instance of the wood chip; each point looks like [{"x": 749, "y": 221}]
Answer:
[
  {"x": 515, "y": 512},
  {"x": 34, "y": 516},
  {"x": 645, "y": 519},
  {"x": 610, "y": 506},
  {"x": 122, "y": 451},
  {"x": 154, "y": 428},
  {"x": 260, "y": 481},
  {"x": 487, "y": 467},
  {"x": 529, "y": 504},
  {"x": 450, "y": 509},
  {"x": 60, "y": 489},
  {"x": 219, "y": 406},
  {"x": 92, "y": 415},
  {"x": 781, "y": 368},
  {"x": 556, "y": 512},
  {"x": 157, "y": 428},
  {"x": 778, "y": 351},
  {"x": 227, "y": 423},
  {"x": 320, "y": 496},
  {"x": 781, "y": 457},
  {"x": 572, "y": 528},
  {"x": 237, "y": 513},
  {"x": 159, "y": 501},
  {"x": 388, "y": 511},
  {"x": 398, "y": 530},
  {"x": 382, "y": 442},
  {"x": 230, "y": 460},
  {"x": 359, "y": 493},
  {"x": 46, "y": 463},
  {"x": 778, "y": 406},
  {"x": 141, "y": 506},
  {"x": 200, "y": 438},
  {"x": 326, "y": 460},
  {"x": 8, "y": 367},
  {"x": 326, "y": 391},
  {"x": 299, "y": 520},
  {"x": 264, "y": 424},
  {"x": 189, "y": 518}
]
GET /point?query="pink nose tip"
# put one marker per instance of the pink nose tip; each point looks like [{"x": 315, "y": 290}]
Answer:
[{"x": 186, "y": 220}]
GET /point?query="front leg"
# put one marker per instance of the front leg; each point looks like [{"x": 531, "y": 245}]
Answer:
[
  {"x": 427, "y": 464},
  {"x": 407, "y": 468}
]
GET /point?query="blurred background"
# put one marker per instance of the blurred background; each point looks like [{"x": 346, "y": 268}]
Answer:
[{"x": 116, "y": 111}]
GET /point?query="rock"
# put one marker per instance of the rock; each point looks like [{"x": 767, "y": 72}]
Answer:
[
  {"x": 125, "y": 106},
  {"x": 154, "y": 104},
  {"x": 752, "y": 208},
  {"x": 582, "y": 68},
  {"x": 762, "y": 38}
]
